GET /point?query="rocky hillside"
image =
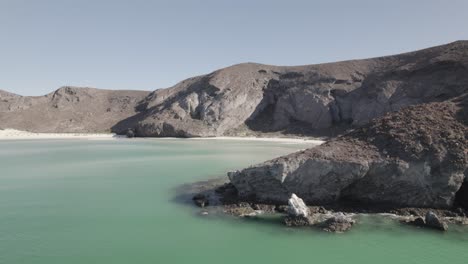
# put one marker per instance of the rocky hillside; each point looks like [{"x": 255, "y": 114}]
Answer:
[
  {"x": 253, "y": 99},
  {"x": 69, "y": 109},
  {"x": 319, "y": 99},
  {"x": 415, "y": 157}
]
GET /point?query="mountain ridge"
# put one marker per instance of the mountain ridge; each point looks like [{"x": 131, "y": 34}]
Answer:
[
  {"x": 68, "y": 109},
  {"x": 251, "y": 99}
]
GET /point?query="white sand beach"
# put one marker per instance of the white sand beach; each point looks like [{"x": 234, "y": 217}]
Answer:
[
  {"x": 13, "y": 134},
  {"x": 274, "y": 139}
]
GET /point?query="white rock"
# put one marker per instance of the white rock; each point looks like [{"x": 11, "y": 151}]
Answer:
[{"x": 297, "y": 207}]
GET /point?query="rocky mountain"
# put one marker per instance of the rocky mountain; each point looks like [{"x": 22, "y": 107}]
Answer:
[
  {"x": 253, "y": 99},
  {"x": 319, "y": 99},
  {"x": 414, "y": 157},
  {"x": 69, "y": 109}
]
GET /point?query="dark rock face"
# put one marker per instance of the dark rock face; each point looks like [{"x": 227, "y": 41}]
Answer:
[
  {"x": 461, "y": 197},
  {"x": 69, "y": 109},
  {"x": 415, "y": 157},
  {"x": 307, "y": 100}
]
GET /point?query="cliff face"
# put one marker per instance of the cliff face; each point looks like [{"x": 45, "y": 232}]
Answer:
[
  {"x": 306, "y": 100},
  {"x": 69, "y": 109},
  {"x": 413, "y": 157}
]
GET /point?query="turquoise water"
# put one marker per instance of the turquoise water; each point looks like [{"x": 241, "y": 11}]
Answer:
[{"x": 81, "y": 201}]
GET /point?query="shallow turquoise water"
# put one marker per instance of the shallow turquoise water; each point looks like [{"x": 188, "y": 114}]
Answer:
[{"x": 79, "y": 201}]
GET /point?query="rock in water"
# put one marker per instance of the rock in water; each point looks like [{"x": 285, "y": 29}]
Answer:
[
  {"x": 339, "y": 223},
  {"x": 297, "y": 207},
  {"x": 201, "y": 200},
  {"x": 298, "y": 212},
  {"x": 297, "y": 221},
  {"x": 433, "y": 221},
  {"x": 419, "y": 222}
]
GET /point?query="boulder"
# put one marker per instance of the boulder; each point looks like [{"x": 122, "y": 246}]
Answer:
[
  {"x": 339, "y": 223},
  {"x": 297, "y": 207},
  {"x": 297, "y": 221},
  {"x": 419, "y": 221},
  {"x": 130, "y": 133},
  {"x": 298, "y": 212},
  {"x": 433, "y": 221}
]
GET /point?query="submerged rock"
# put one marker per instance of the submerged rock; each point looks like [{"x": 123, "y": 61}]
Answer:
[{"x": 201, "y": 200}]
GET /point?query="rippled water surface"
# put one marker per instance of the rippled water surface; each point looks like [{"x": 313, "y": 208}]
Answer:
[{"x": 84, "y": 201}]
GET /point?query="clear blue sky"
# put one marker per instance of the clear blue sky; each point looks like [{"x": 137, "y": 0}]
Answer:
[{"x": 154, "y": 44}]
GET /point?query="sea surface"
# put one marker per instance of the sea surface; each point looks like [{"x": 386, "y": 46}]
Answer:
[{"x": 114, "y": 201}]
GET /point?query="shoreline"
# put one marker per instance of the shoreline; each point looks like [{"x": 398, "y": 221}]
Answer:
[
  {"x": 270, "y": 139},
  {"x": 219, "y": 197},
  {"x": 13, "y": 134}
]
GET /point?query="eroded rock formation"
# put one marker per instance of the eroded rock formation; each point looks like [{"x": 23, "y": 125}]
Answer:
[{"x": 414, "y": 157}]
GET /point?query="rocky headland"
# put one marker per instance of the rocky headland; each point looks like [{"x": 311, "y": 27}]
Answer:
[{"x": 412, "y": 158}]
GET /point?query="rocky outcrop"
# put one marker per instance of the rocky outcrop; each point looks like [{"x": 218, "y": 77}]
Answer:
[
  {"x": 338, "y": 223},
  {"x": 322, "y": 99},
  {"x": 130, "y": 133},
  {"x": 298, "y": 212},
  {"x": 69, "y": 109},
  {"x": 297, "y": 207},
  {"x": 433, "y": 221},
  {"x": 415, "y": 157}
]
